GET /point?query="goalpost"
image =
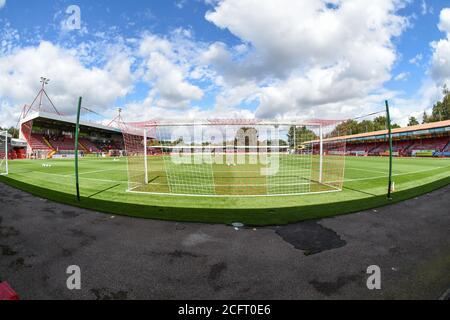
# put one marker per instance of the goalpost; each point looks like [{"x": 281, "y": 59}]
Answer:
[
  {"x": 234, "y": 157},
  {"x": 3, "y": 153}
]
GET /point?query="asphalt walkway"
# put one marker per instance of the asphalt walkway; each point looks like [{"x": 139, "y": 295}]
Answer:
[{"x": 127, "y": 258}]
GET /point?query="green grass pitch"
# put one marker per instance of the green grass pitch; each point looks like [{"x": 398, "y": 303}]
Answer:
[
  {"x": 225, "y": 175},
  {"x": 104, "y": 182}
]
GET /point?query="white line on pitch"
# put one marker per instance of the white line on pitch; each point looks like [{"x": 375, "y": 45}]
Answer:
[
  {"x": 385, "y": 176},
  {"x": 376, "y": 171},
  {"x": 97, "y": 171},
  {"x": 345, "y": 180},
  {"x": 73, "y": 177}
]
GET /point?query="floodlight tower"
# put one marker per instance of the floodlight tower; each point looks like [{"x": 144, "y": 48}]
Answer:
[
  {"x": 44, "y": 82},
  {"x": 117, "y": 119}
]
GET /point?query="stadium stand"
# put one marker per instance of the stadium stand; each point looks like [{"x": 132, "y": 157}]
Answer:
[
  {"x": 431, "y": 139},
  {"x": 37, "y": 142},
  {"x": 90, "y": 146},
  {"x": 50, "y": 135},
  {"x": 403, "y": 148},
  {"x": 21, "y": 153},
  {"x": 363, "y": 148},
  {"x": 400, "y": 146},
  {"x": 63, "y": 143},
  {"x": 435, "y": 144},
  {"x": 379, "y": 149},
  {"x": 16, "y": 149}
]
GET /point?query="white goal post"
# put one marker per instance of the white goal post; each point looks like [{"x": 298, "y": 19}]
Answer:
[
  {"x": 233, "y": 158},
  {"x": 3, "y": 153}
]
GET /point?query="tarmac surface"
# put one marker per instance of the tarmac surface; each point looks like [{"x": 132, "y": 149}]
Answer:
[{"x": 128, "y": 258}]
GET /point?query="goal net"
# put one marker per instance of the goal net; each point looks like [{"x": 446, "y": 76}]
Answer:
[
  {"x": 3, "y": 153},
  {"x": 233, "y": 158}
]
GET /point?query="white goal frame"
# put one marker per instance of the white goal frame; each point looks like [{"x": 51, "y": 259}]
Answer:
[
  {"x": 4, "y": 160},
  {"x": 146, "y": 130}
]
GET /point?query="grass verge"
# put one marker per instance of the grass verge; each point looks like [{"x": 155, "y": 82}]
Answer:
[{"x": 251, "y": 217}]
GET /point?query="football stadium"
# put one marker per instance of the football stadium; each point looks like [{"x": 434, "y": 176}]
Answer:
[
  {"x": 218, "y": 156},
  {"x": 256, "y": 172}
]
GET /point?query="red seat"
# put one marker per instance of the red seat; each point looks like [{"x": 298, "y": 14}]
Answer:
[{"x": 37, "y": 142}]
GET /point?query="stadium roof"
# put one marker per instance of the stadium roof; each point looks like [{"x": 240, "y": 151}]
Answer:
[
  {"x": 230, "y": 122},
  {"x": 69, "y": 120},
  {"x": 419, "y": 129}
]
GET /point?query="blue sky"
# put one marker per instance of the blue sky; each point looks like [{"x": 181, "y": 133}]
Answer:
[
  {"x": 229, "y": 58},
  {"x": 416, "y": 41}
]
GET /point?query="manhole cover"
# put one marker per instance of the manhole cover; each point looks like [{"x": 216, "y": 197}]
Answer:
[{"x": 237, "y": 224}]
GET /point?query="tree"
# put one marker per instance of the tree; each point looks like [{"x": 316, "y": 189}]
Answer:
[
  {"x": 13, "y": 132},
  {"x": 348, "y": 127},
  {"x": 412, "y": 121},
  {"x": 424, "y": 117},
  {"x": 302, "y": 135},
  {"x": 441, "y": 109},
  {"x": 366, "y": 126},
  {"x": 351, "y": 127},
  {"x": 380, "y": 123}
]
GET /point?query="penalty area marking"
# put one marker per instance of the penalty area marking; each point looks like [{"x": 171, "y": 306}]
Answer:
[
  {"x": 394, "y": 175},
  {"x": 227, "y": 196}
]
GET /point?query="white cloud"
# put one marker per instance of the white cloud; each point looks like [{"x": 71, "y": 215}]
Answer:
[
  {"x": 102, "y": 71},
  {"x": 9, "y": 39},
  {"x": 416, "y": 59},
  {"x": 232, "y": 97},
  {"x": 9, "y": 114},
  {"x": 2, "y": 3},
  {"x": 440, "y": 62},
  {"x": 167, "y": 68},
  {"x": 170, "y": 85},
  {"x": 402, "y": 76},
  {"x": 305, "y": 54},
  {"x": 180, "y": 4},
  {"x": 100, "y": 87},
  {"x": 296, "y": 59},
  {"x": 440, "y": 68},
  {"x": 428, "y": 93},
  {"x": 438, "y": 74},
  {"x": 426, "y": 9},
  {"x": 444, "y": 23},
  {"x": 137, "y": 111}
]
